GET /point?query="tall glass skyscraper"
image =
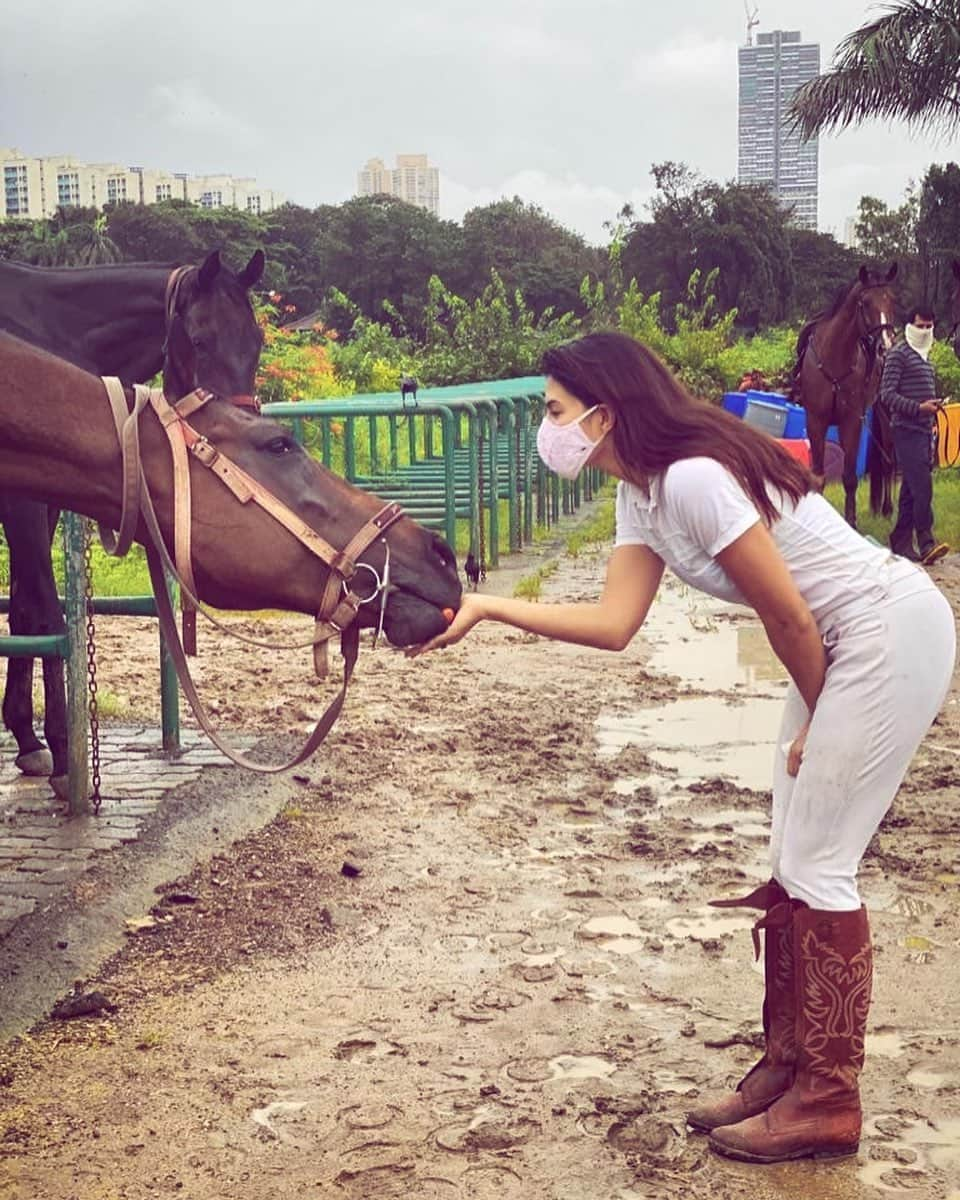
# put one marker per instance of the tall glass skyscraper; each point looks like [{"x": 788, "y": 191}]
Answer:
[{"x": 769, "y": 151}]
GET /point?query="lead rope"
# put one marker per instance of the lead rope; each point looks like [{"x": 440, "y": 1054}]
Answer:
[{"x": 93, "y": 710}]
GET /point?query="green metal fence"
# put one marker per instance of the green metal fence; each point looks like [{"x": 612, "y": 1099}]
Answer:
[
  {"x": 72, "y": 648},
  {"x": 461, "y": 460},
  {"x": 457, "y": 458}
]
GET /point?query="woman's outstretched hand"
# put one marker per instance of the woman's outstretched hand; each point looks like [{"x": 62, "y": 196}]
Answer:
[{"x": 471, "y": 611}]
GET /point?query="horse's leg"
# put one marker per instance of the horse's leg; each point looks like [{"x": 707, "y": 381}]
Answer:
[
  {"x": 21, "y": 526},
  {"x": 850, "y": 442},
  {"x": 35, "y": 610},
  {"x": 817, "y": 436}
]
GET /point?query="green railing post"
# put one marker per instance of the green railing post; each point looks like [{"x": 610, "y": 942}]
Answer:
[
  {"x": 169, "y": 689},
  {"x": 350, "y": 449},
  {"x": 411, "y": 438},
  {"x": 428, "y": 436},
  {"x": 474, "y": 433},
  {"x": 374, "y": 448},
  {"x": 526, "y": 417},
  {"x": 513, "y": 496},
  {"x": 493, "y": 550},
  {"x": 326, "y": 450},
  {"x": 297, "y": 424},
  {"x": 78, "y": 726},
  {"x": 449, "y": 443},
  {"x": 394, "y": 454}
]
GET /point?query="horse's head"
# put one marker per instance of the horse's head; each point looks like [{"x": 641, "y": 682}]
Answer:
[
  {"x": 213, "y": 339},
  {"x": 260, "y": 565},
  {"x": 876, "y": 303}
]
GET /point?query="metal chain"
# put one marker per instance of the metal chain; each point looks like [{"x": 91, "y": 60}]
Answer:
[{"x": 92, "y": 708}]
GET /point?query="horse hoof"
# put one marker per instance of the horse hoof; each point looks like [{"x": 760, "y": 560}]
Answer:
[
  {"x": 61, "y": 786},
  {"x": 36, "y": 762}
]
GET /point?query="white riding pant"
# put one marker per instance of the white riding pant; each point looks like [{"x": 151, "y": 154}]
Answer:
[{"x": 889, "y": 670}]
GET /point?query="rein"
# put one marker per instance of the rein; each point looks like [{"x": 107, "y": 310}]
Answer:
[{"x": 339, "y": 604}]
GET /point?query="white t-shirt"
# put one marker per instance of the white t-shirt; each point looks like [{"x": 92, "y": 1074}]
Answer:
[{"x": 697, "y": 508}]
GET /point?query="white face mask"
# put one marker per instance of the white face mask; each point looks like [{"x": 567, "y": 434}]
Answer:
[
  {"x": 920, "y": 340},
  {"x": 565, "y": 449}
]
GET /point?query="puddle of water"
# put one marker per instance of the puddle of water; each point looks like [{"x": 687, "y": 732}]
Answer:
[
  {"x": 887, "y": 1045},
  {"x": 891, "y": 1177},
  {"x": 747, "y": 824},
  {"x": 618, "y": 933},
  {"x": 733, "y": 654},
  {"x": 569, "y": 1066},
  {"x": 710, "y": 924},
  {"x": 279, "y": 1108},
  {"x": 700, "y": 738},
  {"x": 929, "y": 1080}
]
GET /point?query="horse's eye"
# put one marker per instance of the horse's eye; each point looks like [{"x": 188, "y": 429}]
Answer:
[{"x": 279, "y": 446}]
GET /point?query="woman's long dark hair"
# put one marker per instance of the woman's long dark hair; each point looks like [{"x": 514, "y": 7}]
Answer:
[{"x": 658, "y": 422}]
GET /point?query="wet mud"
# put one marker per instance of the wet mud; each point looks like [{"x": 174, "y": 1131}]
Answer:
[{"x": 472, "y": 956}]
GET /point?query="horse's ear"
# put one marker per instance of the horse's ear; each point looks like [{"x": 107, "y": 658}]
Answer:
[
  {"x": 252, "y": 272},
  {"x": 209, "y": 270},
  {"x": 864, "y": 275},
  {"x": 956, "y": 268},
  {"x": 892, "y": 273}
]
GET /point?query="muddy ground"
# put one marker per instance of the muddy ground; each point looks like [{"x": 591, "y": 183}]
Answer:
[{"x": 470, "y": 957}]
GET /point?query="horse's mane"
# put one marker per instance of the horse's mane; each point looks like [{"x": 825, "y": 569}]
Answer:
[{"x": 839, "y": 300}]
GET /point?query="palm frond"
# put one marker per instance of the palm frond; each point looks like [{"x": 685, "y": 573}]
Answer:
[{"x": 905, "y": 66}]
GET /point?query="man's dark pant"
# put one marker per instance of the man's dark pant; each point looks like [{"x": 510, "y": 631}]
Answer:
[{"x": 913, "y": 447}]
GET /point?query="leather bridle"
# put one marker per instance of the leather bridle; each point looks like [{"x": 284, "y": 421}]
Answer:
[
  {"x": 340, "y": 603},
  {"x": 341, "y": 600}
]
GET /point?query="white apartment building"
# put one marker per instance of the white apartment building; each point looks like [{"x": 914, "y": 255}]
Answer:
[
  {"x": 33, "y": 188},
  {"x": 771, "y": 151},
  {"x": 413, "y": 179}
]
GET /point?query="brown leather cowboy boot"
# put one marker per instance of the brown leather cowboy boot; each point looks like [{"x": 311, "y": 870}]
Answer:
[
  {"x": 819, "y": 1117},
  {"x": 772, "y": 1075}
]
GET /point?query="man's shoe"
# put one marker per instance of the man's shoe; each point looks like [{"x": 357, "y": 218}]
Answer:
[{"x": 933, "y": 553}]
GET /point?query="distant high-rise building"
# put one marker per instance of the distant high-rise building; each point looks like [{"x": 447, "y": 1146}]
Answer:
[
  {"x": 850, "y": 238},
  {"x": 412, "y": 179},
  {"x": 35, "y": 187},
  {"x": 770, "y": 151}
]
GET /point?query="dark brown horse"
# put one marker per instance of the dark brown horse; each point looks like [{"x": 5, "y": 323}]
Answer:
[
  {"x": 243, "y": 557},
  {"x": 838, "y": 375},
  {"x": 115, "y": 320}
]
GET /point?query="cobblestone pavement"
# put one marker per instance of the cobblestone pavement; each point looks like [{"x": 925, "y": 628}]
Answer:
[{"x": 43, "y": 851}]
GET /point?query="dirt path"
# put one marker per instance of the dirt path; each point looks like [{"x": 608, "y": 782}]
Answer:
[{"x": 472, "y": 957}]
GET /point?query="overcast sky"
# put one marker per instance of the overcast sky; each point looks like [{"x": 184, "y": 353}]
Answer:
[{"x": 563, "y": 102}]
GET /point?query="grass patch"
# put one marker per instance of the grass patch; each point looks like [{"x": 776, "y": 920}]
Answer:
[
  {"x": 946, "y": 508},
  {"x": 598, "y": 528},
  {"x": 530, "y": 586}
]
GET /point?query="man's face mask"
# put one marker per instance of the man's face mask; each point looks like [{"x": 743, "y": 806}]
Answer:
[
  {"x": 919, "y": 339},
  {"x": 566, "y": 449}
]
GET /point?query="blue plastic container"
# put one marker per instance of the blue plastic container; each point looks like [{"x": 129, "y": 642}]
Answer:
[{"x": 756, "y": 408}]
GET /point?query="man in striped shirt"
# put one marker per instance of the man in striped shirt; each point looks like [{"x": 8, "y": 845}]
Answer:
[{"x": 909, "y": 392}]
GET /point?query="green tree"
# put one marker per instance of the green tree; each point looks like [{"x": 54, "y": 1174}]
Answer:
[
  {"x": 529, "y": 250},
  {"x": 904, "y": 66},
  {"x": 738, "y": 232},
  {"x": 885, "y": 233},
  {"x": 821, "y": 266},
  {"x": 938, "y": 233},
  {"x": 90, "y": 243},
  {"x": 161, "y": 232}
]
